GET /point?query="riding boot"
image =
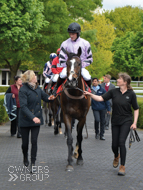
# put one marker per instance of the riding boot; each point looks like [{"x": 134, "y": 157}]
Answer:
[
  {"x": 53, "y": 83},
  {"x": 89, "y": 83},
  {"x": 59, "y": 82},
  {"x": 46, "y": 84}
]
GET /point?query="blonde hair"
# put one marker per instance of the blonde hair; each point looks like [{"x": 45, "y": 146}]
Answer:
[
  {"x": 126, "y": 78},
  {"x": 27, "y": 76},
  {"x": 108, "y": 76}
]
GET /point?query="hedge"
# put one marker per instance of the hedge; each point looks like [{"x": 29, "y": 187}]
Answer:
[
  {"x": 3, "y": 88},
  {"x": 3, "y": 114},
  {"x": 140, "y": 119}
]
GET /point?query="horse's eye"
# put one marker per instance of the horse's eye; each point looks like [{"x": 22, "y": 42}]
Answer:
[{"x": 79, "y": 64}]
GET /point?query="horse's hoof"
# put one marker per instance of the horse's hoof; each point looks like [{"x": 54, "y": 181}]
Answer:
[
  {"x": 49, "y": 124},
  {"x": 56, "y": 132},
  {"x": 79, "y": 162},
  {"x": 69, "y": 168},
  {"x": 75, "y": 155}
]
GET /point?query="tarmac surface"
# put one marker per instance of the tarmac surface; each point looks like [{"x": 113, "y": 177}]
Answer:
[{"x": 97, "y": 172}]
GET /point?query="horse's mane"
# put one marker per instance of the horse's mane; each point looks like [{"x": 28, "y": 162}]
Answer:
[{"x": 70, "y": 55}]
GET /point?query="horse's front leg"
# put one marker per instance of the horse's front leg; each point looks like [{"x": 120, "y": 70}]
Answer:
[
  {"x": 45, "y": 111},
  {"x": 50, "y": 115},
  {"x": 79, "y": 140},
  {"x": 67, "y": 120},
  {"x": 56, "y": 126}
]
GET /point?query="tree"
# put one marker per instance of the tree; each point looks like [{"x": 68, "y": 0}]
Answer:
[
  {"x": 102, "y": 56},
  {"x": 126, "y": 54},
  {"x": 82, "y": 8},
  {"x": 26, "y": 39},
  {"x": 20, "y": 22},
  {"x": 125, "y": 19}
]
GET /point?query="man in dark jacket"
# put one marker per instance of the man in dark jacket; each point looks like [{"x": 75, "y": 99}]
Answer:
[
  {"x": 99, "y": 109},
  {"x": 107, "y": 85}
]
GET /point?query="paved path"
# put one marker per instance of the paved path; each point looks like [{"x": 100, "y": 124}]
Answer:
[{"x": 97, "y": 172}]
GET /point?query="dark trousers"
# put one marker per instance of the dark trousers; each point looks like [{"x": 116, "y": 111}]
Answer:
[
  {"x": 99, "y": 117},
  {"x": 107, "y": 119},
  {"x": 15, "y": 125},
  {"x": 119, "y": 136},
  {"x": 25, "y": 141}
]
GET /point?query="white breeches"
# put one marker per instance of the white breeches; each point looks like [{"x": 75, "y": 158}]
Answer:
[
  {"x": 85, "y": 74},
  {"x": 55, "y": 77},
  {"x": 47, "y": 80}
]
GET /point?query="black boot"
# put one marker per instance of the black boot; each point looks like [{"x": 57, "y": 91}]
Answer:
[
  {"x": 53, "y": 83},
  {"x": 89, "y": 83},
  {"x": 46, "y": 84},
  {"x": 25, "y": 161},
  {"x": 59, "y": 82},
  {"x": 32, "y": 168}
]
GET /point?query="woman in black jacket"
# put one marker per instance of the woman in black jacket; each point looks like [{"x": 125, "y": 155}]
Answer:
[{"x": 30, "y": 116}]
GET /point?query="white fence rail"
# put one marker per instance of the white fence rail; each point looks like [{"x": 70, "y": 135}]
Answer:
[{"x": 137, "y": 83}]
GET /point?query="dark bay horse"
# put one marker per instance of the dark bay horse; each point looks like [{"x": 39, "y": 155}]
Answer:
[
  {"x": 74, "y": 105},
  {"x": 53, "y": 110},
  {"x": 47, "y": 108}
]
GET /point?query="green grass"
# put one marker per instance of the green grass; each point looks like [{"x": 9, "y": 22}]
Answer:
[{"x": 140, "y": 99}]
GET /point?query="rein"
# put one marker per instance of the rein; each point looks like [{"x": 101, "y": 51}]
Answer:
[{"x": 65, "y": 90}]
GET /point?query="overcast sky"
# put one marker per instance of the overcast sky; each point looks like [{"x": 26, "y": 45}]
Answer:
[{"x": 112, "y": 4}]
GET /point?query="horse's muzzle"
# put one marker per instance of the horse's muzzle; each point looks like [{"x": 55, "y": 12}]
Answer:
[{"x": 72, "y": 83}]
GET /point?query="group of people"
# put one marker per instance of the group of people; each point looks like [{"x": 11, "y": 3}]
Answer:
[{"x": 104, "y": 97}]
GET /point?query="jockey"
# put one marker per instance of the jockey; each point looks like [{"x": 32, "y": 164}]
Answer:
[
  {"x": 47, "y": 72},
  {"x": 71, "y": 45},
  {"x": 56, "y": 69}
]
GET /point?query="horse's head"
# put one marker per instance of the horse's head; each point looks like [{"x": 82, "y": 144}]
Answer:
[{"x": 73, "y": 68}]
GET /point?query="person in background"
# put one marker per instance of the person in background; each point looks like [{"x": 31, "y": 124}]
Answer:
[
  {"x": 30, "y": 116},
  {"x": 14, "y": 89},
  {"x": 122, "y": 119},
  {"x": 107, "y": 85},
  {"x": 47, "y": 72},
  {"x": 99, "y": 109},
  {"x": 56, "y": 69}
]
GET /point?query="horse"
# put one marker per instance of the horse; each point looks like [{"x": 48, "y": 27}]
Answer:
[
  {"x": 54, "y": 110},
  {"x": 47, "y": 108},
  {"x": 74, "y": 105}
]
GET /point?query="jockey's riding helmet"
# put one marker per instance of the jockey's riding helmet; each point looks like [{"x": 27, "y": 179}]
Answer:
[
  {"x": 74, "y": 28},
  {"x": 53, "y": 55},
  {"x": 58, "y": 51}
]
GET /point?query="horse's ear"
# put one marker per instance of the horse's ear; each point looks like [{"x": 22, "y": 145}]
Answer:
[
  {"x": 68, "y": 54},
  {"x": 79, "y": 52}
]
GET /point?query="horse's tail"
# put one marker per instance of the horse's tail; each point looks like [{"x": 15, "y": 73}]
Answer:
[{"x": 86, "y": 131}]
